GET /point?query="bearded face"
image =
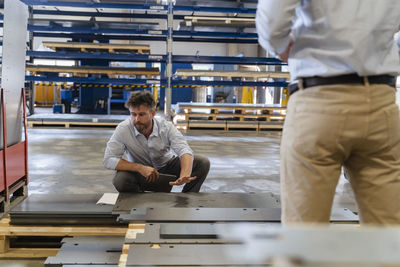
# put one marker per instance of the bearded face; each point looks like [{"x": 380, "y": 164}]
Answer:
[{"x": 142, "y": 118}]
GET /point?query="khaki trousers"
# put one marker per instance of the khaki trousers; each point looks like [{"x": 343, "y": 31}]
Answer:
[{"x": 326, "y": 127}]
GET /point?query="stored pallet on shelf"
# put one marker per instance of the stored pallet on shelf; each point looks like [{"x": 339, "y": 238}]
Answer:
[
  {"x": 84, "y": 47},
  {"x": 93, "y": 70},
  {"x": 230, "y": 74},
  {"x": 240, "y": 111}
]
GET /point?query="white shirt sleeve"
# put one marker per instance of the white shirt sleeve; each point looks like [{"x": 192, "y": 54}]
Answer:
[
  {"x": 274, "y": 20},
  {"x": 177, "y": 141},
  {"x": 397, "y": 40},
  {"x": 114, "y": 151}
]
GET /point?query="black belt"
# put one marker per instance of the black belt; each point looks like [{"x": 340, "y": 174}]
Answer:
[{"x": 342, "y": 79}]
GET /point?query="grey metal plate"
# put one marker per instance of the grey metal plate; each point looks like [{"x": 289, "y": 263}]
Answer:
[
  {"x": 13, "y": 66},
  {"x": 183, "y": 255},
  {"x": 95, "y": 250},
  {"x": 126, "y": 202},
  {"x": 62, "y": 209},
  {"x": 182, "y": 233},
  {"x": 202, "y": 215},
  {"x": 219, "y": 215}
]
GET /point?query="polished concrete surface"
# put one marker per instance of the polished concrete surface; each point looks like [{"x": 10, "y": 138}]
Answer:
[{"x": 70, "y": 161}]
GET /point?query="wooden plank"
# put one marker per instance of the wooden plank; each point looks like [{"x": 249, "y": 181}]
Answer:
[
  {"x": 78, "y": 45},
  {"x": 230, "y": 106},
  {"x": 226, "y": 19},
  {"x": 29, "y": 253},
  {"x": 93, "y": 70},
  {"x": 230, "y": 74},
  {"x": 61, "y": 230}
]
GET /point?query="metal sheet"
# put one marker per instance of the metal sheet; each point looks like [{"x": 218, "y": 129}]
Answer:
[
  {"x": 13, "y": 66},
  {"x": 182, "y": 233},
  {"x": 104, "y": 250},
  {"x": 183, "y": 255},
  {"x": 202, "y": 215},
  {"x": 126, "y": 202},
  {"x": 318, "y": 245},
  {"x": 219, "y": 215},
  {"x": 62, "y": 209}
]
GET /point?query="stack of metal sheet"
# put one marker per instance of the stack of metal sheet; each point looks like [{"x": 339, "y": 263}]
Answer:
[
  {"x": 79, "y": 209},
  {"x": 207, "y": 207}
]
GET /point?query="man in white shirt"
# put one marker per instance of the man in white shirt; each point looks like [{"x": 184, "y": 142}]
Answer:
[
  {"x": 153, "y": 146},
  {"x": 343, "y": 63}
]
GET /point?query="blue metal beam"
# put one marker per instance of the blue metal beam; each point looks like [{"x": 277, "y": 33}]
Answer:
[
  {"x": 103, "y": 14},
  {"x": 95, "y": 30},
  {"x": 142, "y": 38},
  {"x": 96, "y": 55},
  {"x": 88, "y": 30},
  {"x": 86, "y": 80},
  {"x": 227, "y": 60},
  {"x": 156, "y": 58},
  {"x": 163, "y": 82}
]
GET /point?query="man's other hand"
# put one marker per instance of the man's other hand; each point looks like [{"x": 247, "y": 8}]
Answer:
[
  {"x": 149, "y": 173},
  {"x": 183, "y": 180}
]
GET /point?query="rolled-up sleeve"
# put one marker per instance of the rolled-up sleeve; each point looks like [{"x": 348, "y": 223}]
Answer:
[
  {"x": 274, "y": 21},
  {"x": 114, "y": 151},
  {"x": 177, "y": 141}
]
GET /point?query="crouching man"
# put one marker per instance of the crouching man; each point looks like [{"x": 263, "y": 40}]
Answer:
[{"x": 153, "y": 146}]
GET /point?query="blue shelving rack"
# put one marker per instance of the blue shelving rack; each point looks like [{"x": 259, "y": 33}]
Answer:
[{"x": 149, "y": 9}]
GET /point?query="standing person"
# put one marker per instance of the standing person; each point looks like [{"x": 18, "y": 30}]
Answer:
[
  {"x": 153, "y": 146},
  {"x": 343, "y": 64}
]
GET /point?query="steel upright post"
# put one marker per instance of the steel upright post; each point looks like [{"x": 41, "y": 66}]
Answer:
[{"x": 168, "y": 90}]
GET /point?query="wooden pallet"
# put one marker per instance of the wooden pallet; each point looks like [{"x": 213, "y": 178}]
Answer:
[
  {"x": 133, "y": 230},
  {"x": 68, "y": 124},
  {"x": 8, "y": 231},
  {"x": 86, "y": 47},
  {"x": 228, "y": 125},
  {"x": 18, "y": 192}
]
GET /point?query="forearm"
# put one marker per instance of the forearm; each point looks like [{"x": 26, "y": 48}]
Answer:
[
  {"x": 274, "y": 21},
  {"x": 124, "y": 165},
  {"x": 186, "y": 165}
]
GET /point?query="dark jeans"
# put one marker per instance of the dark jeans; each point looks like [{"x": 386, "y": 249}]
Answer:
[{"x": 134, "y": 182}]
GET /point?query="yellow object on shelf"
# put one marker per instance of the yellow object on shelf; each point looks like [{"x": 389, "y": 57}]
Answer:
[
  {"x": 44, "y": 93},
  {"x": 285, "y": 96},
  {"x": 247, "y": 95}
]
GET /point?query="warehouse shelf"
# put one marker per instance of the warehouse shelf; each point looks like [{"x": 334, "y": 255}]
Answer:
[
  {"x": 143, "y": 6},
  {"x": 233, "y": 17}
]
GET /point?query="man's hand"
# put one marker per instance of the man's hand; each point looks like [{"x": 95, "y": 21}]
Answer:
[
  {"x": 149, "y": 173},
  {"x": 183, "y": 180},
  {"x": 285, "y": 55}
]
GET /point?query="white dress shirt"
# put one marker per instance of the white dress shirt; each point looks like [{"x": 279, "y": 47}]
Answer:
[
  {"x": 332, "y": 37},
  {"x": 163, "y": 144}
]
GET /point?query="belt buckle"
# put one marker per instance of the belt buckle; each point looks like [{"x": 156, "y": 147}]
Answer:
[{"x": 300, "y": 84}]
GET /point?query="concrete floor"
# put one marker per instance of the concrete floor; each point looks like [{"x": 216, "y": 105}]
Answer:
[{"x": 70, "y": 161}]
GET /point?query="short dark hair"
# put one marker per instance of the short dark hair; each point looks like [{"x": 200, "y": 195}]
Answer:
[{"x": 141, "y": 98}]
